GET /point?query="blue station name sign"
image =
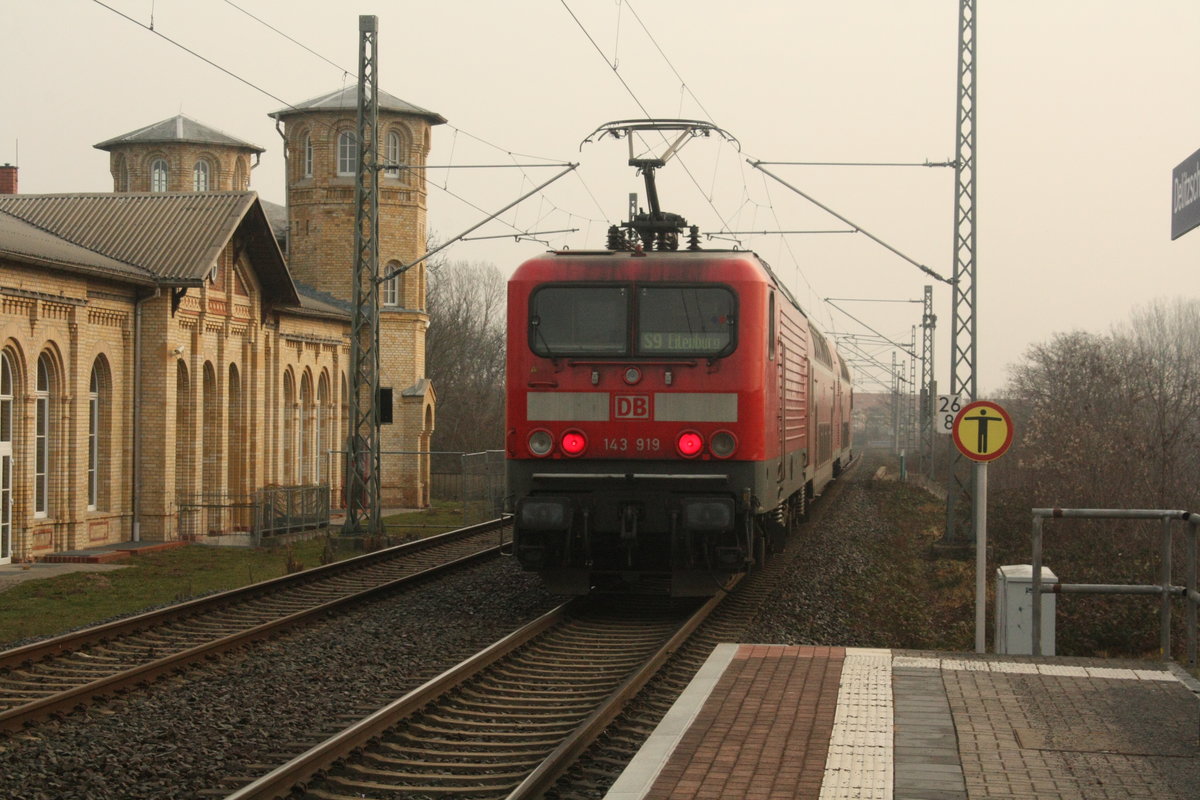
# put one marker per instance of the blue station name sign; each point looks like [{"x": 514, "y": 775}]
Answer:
[{"x": 1185, "y": 196}]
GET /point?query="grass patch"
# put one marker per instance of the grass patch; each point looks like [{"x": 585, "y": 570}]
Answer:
[
  {"x": 48, "y": 606},
  {"x": 926, "y": 603}
]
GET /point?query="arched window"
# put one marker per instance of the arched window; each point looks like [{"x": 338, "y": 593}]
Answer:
[
  {"x": 303, "y": 429},
  {"x": 158, "y": 175},
  {"x": 307, "y": 157},
  {"x": 240, "y": 179},
  {"x": 347, "y": 153},
  {"x": 213, "y": 444},
  {"x": 394, "y": 154},
  {"x": 200, "y": 176},
  {"x": 287, "y": 472},
  {"x": 41, "y": 439},
  {"x": 391, "y": 287},
  {"x": 185, "y": 444},
  {"x": 6, "y": 441}
]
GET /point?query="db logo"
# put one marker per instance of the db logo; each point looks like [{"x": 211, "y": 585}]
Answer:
[{"x": 631, "y": 406}]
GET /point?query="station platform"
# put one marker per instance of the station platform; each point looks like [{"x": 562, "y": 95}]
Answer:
[{"x": 763, "y": 722}]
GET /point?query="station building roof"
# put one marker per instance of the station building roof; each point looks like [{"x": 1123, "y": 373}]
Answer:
[{"x": 170, "y": 238}]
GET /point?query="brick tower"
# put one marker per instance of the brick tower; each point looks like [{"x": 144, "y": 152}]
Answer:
[{"x": 320, "y": 137}]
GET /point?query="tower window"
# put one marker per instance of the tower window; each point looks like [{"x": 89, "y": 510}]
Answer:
[
  {"x": 200, "y": 176},
  {"x": 347, "y": 153},
  {"x": 308, "y": 157},
  {"x": 158, "y": 175},
  {"x": 393, "y": 154},
  {"x": 391, "y": 287}
]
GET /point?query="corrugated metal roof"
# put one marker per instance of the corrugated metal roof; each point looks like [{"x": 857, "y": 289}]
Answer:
[
  {"x": 177, "y": 129},
  {"x": 177, "y": 237},
  {"x": 347, "y": 99},
  {"x": 23, "y": 242}
]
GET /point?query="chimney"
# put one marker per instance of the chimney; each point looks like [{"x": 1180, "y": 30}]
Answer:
[{"x": 8, "y": 179}]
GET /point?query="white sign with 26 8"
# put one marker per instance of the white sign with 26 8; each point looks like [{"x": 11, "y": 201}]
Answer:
[{"x": 946, "y": 409}]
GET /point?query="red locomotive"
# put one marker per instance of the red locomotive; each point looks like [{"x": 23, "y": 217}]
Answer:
[{"x": 669, "y": 413}]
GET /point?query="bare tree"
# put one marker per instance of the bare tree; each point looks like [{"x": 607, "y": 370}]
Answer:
[
  {"x": 1104, "y": 421},
  {"x": 464, "y": 354}
]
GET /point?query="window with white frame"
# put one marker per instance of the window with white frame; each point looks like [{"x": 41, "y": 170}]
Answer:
[
  {"x": 308, "y": 156},
  {"x": 158, "y": 175},
  {"x": 41, "y": 439},
  {"x": 347, "y": 153},
  {"x": 200, "y": 176},
  {"x": 393, "y": 154},
  {"x": 391, "y": 287}
]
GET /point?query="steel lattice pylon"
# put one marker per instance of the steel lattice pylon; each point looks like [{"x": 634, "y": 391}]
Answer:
[
  {"x": 928, "y": 388},
  {"x": 963, "y": 327},
  {"x": 362, "y": 468}
]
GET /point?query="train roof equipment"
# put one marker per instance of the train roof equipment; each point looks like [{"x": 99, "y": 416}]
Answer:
[{"x": 655, "y": 229}]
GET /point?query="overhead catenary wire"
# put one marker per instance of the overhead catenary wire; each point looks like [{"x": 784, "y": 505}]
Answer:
[{"x": 345, "y": 75}]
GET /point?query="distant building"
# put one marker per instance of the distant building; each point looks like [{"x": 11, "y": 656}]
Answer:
[{"x": 161, "y": 359}]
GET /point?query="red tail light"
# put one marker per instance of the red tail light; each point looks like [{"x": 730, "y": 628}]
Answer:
[
  {"x": 689, "y": 444},
  {"x": 573, "y": 443}
]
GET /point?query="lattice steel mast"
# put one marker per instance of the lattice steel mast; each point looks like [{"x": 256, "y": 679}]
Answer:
[
  {"x": 963, "y": 328},
  {"x": 362, "y": 468},
  {"x": 928, "y": 387}
]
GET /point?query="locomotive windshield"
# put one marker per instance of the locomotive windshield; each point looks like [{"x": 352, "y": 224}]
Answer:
[
  {"x": 691, "y": 321},
  {"x": 685, "y": 320},
  {"x": 579, "y": 320}
]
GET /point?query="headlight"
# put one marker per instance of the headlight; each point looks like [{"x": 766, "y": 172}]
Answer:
[
  {"x": 723, "y": 444},
  {"x": 540, "y": 442}
]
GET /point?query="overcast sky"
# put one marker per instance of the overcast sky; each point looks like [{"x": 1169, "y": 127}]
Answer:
[{"x": 1084, "y": 108}]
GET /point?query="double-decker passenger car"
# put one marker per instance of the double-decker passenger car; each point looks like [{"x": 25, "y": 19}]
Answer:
[{"x": 669, "y": 414}]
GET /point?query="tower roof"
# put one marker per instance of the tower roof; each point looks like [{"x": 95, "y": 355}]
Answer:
[
  {"x": 347, "y": 99},
  {"x": 177, "y": 129}
]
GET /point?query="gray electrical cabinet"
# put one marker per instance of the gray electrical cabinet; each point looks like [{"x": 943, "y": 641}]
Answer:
[{"x": 1014, "y": 610}]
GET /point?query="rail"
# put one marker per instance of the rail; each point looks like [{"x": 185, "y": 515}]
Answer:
[{"x": 1163, "y": 588}]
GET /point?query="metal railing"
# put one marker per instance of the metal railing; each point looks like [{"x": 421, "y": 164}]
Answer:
[
  {"x": 1163, "y": 588},
  {"x": 284, "y": 509},
  {"x": 483, "y": 486}
]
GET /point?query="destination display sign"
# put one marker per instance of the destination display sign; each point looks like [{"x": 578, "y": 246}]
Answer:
[{"x": 1185, "y": 196}]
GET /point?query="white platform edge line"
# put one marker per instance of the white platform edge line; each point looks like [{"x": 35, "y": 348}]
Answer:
[{"x": 637, "y": 778}]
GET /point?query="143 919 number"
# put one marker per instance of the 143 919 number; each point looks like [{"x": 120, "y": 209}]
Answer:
[{"x": 638, "y": 445}]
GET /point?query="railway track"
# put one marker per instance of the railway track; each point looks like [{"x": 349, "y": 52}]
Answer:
[
  {"x": 58, "y": 675},
  {"x": 508, "y": 721},
  {"x": 524, "y": 719}
]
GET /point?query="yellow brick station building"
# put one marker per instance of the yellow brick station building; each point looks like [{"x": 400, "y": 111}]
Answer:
[{"x": 171, "y": 347}]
